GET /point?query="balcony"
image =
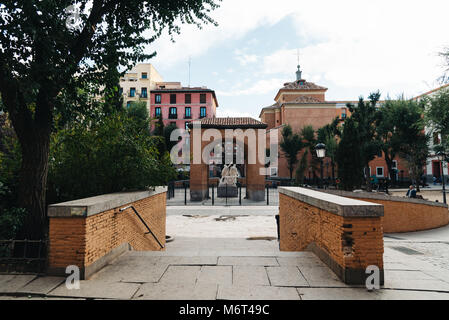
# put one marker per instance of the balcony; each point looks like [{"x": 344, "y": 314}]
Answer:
[
  {"x": 188, "y": 117},
  {"x": 173, "y": 116}
]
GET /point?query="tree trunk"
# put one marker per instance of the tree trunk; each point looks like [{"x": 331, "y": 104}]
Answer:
[{"x": 33, "y": 180}]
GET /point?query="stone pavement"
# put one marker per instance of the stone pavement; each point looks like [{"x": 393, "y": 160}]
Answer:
[{"x": 234, "y": 257}]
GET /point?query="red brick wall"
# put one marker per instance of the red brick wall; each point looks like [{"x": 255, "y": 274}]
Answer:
[
  {"x": 352, "y": 243},
  {"x": 81, "y": 241}
]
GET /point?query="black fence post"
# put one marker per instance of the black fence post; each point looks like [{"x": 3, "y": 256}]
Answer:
[
  {"x": 213, "y": 194},
  {"x": 185, "y": 193},
  {"x": 240, "y": 193}
]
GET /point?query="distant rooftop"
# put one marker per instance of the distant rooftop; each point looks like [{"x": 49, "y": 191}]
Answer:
[
  {"x": 302, "y": 85},
  {"x": 231, "y": 123}
]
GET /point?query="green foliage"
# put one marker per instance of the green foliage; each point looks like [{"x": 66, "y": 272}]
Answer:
[
  {"x": 167, "y": 133},
  {"x": 291, "y": 144},
  {"x": 365, "y": 115},
  {"x": 302, "y": 167},
  {"x": 11, "y": 217},
  {"x": 349, "y": 156},
  {"x": 437, "y": 117},
  {"x": 400, "y": 128},
  {"x": 111, "y": 156},
  {"x": 138, "y": 111}
]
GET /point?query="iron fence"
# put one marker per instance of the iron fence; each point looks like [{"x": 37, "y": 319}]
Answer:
[{"x": 23, "y": 256}]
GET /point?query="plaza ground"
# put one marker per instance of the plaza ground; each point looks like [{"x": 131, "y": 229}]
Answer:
[{"x": 232, "y": 253}]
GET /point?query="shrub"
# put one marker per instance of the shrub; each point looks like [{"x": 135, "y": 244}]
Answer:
[{"x": 115, "y": 155}]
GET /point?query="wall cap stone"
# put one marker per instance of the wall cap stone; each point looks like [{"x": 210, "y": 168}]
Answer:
[
  {"x": 95, "y": 205},
  {"x": 385, "y": 197},
  {"x": 338, "y": 205}
]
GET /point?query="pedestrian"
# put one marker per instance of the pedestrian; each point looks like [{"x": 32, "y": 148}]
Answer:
[{"x": 411, "y": 193}]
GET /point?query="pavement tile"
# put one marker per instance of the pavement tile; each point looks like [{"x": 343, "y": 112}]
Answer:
[
  {"x": 321, "y": 277},
  {"x": 181, "y": 274},
  {"x": 249, "y": 276},
  {"x": 137, "y": 273},
  {"x": 194, "y": 260},
  {"x": 248, "y": 261},
  {"x": 12, "y": 283},
  {"x": 177, "y": 291},
  {"x": 336, "y": 294},
  {"x": 215, "y": 275},
  {"x": 286, "y": 277},
  {"x": 97, "y": 289},
  {"x": 410, "y": 284},
  {"x": 42, "y": 285},
  {"x": 236, "y": 292}
]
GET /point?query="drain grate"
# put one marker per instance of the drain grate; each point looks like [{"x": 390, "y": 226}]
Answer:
[{"x": 406, "y": 250}]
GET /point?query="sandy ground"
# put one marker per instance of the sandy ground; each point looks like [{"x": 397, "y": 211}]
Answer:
[
  {"x": 427, "y": 194},
  {"x": 222, "y": 226}
]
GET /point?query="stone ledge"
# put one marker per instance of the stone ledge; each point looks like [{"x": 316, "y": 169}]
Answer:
[
  {"x": 338, "y": 205},
  {"x": 377, "y": 196},
  {"x": 95, "y": 205}
]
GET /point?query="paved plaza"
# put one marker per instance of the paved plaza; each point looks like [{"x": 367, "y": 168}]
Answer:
[{"x": 221, "y": 255}]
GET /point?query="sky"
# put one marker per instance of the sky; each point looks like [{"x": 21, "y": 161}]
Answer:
[{"x": 351, "y": 47}]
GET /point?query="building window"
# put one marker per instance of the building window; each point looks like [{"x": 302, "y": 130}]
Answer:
[
  {"x": 158, "y": 112},
  {"x": 128, "y": 104},
  {"x": 203, "y": 112},
  {"x": 395, "y": 164},
  {"x": 173, "y": 113},
  {"x": 158, "y": 99},
  {"x": 343, "y": 113},
  {"x": 202, "y": 98},
  {"x": 188, "y": 113},
  {"x": 120, "y": 91},
  {"x": 132, "y": 92},
  {"x": 187, "y": 125},
  {"x": 173, "y": 99},
  {"x": 144, "y": 93},
  {"x": 380, "y": 172},
  {"x": 273, "y": 172},
  {"x": 188, "y": 98},
  {"x": 144, "y": 75}
]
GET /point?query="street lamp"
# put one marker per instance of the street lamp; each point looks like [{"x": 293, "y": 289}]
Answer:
[
  {"x": 321, "y": 153},
  {"x": 442, "y": 157}
]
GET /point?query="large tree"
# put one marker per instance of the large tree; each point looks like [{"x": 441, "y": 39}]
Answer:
[
  {"x": 291, "y": 144},
  {"x": 43, "y": 55},
  {"x": 437, "y": 118},
  {"x": 400, "y": 128},
  {"x": 365, "y": 114},
  {"x": 329, "y": 135}
]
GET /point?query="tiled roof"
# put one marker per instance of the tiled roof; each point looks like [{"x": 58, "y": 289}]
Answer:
[
  {"x": 232, "y": 123},
  {"x": 182, "y": 89},
  {"x": 303, "y": 85}
]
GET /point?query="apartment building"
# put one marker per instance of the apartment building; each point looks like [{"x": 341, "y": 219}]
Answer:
[
  {"x": 138, "y": 83},
  {"x": 181, "y": 105}
]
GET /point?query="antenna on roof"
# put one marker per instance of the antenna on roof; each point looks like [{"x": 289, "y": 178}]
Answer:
[
  {"x": 298, "y": 72},
  {"x": 190, "y": 62}
]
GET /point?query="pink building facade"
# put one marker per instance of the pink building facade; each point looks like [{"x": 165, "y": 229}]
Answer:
[{"x": 182, "y": 105}]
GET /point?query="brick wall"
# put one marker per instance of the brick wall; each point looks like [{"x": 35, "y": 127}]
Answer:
[
  {"x": 86, "y": 240},
  {"x": 404, "y": 214},
  {"x": 348, "y": 245}
]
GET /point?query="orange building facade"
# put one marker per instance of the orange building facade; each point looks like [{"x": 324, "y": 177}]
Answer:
[{"x": 301, "y": 103}]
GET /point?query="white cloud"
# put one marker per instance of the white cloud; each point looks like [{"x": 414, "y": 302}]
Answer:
[
  {"x": 351, "y": 46},
  {"x": 258, "y": 88}
]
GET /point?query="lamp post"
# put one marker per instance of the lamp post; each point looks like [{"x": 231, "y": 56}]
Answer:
[
  {"x": 321, "y": 153},
  {"x": 442, "y": 157}
]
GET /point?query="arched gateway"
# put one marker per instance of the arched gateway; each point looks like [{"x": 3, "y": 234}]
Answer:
[{"x": 227, "y": 141}]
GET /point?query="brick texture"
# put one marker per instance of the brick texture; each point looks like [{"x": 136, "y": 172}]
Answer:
[
  {"x": 81, "y": 241},
  {"x": 352, "y": 243}
]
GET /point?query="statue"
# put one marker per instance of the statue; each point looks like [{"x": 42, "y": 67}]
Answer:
[
  {"x": 228, "y": 182},
  {"x": 229, "y": 175}
]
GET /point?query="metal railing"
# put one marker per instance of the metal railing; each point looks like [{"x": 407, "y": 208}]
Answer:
[
  {"x": 23, "y": 256},
  {"x": 144, "y": 223}
]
